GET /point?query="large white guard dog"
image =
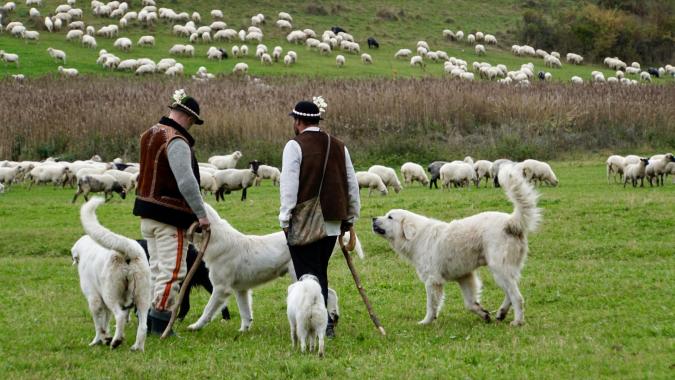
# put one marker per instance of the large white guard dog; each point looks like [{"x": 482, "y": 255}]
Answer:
[
  {"x": 114, "y": 276},
  {"x": 442, "y": 252},
  {"x": 306, "y": 313},
  {"x": 238, "y": 262}
]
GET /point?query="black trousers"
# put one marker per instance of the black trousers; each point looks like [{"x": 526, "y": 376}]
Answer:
[{"x": 313, "y": 259}]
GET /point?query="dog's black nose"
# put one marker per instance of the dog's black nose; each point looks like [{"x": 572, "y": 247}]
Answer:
[{"x": 374, "y": 220}]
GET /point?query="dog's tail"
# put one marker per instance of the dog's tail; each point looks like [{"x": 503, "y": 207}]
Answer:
[
  {"x": 104, "y": 236},
  {"x": 526, "y": 216}
]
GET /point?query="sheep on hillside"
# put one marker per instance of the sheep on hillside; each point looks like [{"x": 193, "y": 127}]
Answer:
[
  {"x": 228, "y": 161},
  {"x": 371, "y": 181},
  {"x": 633, "y": 172},
  {"x": 411, "y": 171},
  {"x": 657, "y": 167},
  {"x": 458, "y": 174},
  {"x": 96, "y": 183},
  {"x": 229, "y": 180},
  {"x": 388, "y": 176}
]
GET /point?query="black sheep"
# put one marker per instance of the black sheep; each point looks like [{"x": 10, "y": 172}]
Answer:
[
  {"x": 224, "y": 53},
  {"x": 541, "y": 75},
  {"x": 337, "y": 29},
  {"x": 372, "y": 43},
  {"x": 653, "y": 72}
]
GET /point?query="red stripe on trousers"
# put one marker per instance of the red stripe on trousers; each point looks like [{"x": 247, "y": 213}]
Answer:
[{"x": 174, "y": 276}]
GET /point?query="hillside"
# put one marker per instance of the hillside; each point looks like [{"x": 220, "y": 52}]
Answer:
[{"x": 395, "y": 24}]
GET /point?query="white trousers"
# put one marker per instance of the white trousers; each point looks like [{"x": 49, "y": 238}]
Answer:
[{"x": 167, "y": 248}]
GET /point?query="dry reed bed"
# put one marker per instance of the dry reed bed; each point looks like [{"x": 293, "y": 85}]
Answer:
[{"x": 413, "y": 118}]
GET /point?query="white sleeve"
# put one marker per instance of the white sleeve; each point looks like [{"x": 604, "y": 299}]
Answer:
[
  {"x": 354, "y": 209},
  {"x": 289, "y": 181}
]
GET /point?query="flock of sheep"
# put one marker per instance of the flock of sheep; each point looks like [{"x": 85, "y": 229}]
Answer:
[
  {"x": 187, "y": 25},
  {"x": 220, "y": 176}
]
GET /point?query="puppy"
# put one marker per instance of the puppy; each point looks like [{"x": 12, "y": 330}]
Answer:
[
  {"x": 237, "y": 263},
  {"x": 114, "y": 276},
  {"x": 442, "y": 252},
  {"x": 201, "y": 278},
  {"x": 307, "y": 313}
]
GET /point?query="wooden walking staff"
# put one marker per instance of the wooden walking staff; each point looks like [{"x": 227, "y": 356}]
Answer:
[
  {"x": 357, "y": 280},
  {"x": 191, "y": 273}
]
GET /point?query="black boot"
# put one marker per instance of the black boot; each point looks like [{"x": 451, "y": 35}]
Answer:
[
  {"x": 157, "y": 322},
  {"x": 330, "y": 329}
]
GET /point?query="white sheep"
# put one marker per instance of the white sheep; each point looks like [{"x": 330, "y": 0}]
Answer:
[
  {"x": 146, "y": 41},
  {"x": 551, "y": 61},
  {"x": 268, "y": 172},
  {"x": 340, "y": 60},
  {"x": 74, "y": 34},
  {"x": 537, "y": 172},
  {"x": 388, "y": 176},
  {"x": 633, "y": 172},
  {"x": 574, "y": 58},
  {"x": 371, "y": 181},
  {"x": 89, "y": 41},
  {"x": 214, "y": 53},
  {"x": 58, "y": 55},
  {"x": 126, "y": 179},
  {"x": 284, "y": 25},
  {"x": 123, "y": 44},
  {"x": 146, "y": 69},
  {"x": 403, "y": 53},
  {"x": 483, "y": 169},
  {"x": 480, "y": 49},
  {"x": 417, "y": 61},
  {"x": 229, "y": 180},
  {"x": 9, "y": 58},
  {"x": 49, "y": 24},
  {"x": 490, "y": 39},
  {"x": 366, "y": 59},
  {"x": 96, "y": 183},
  {"x": 645, "y": 76},
  {"x": 31, "y": 35},
  {"x": 657, "y": 167},
  {"x": 285, "y": 16},
  {"x": 288, "y": 60},
  {"x": 411, "y": 171},
  {"x": 240, "y": 68},
  {"x": 471, "y": 38},
  {"x": 174, "y": 70},
  {"x": 615, "y": 165},
  {"x": 49, "y": 173},
  {"x": 576, "y": 80},
  {"x": 8, "y": 175},
  {"x": 68, "y": 72},
  {"x": 458, "y": 174},
  {"x": 276, "y": 53},
  {"x": 228, "y": 161}
]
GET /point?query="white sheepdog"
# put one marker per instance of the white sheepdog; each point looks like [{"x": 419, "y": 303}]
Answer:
[
  {"x": 307, "y": 313},
  {"x": 114, "y": 277},
  {"x": 442, "y": 252}
]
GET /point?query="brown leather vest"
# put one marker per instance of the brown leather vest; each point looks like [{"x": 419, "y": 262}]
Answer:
[
  {"x": 335, "y": 191},
  {"x": 157, "y": 193}
]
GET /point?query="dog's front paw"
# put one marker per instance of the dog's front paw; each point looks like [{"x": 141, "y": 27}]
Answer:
[
  {"x": 517, "y": 323},
  {"x": 425, "y": 321},
  {"x": 501, "y": 315},
  {"x": 116, "y": 343},
  {"x": 194, "y": 327},
  {"x": 95, "y": 342},
  {"x": 107, "y": 340},
  {"x": 137, "y": 347}
]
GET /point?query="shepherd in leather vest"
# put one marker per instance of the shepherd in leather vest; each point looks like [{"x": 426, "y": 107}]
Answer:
[
  {"x": 302, "y": 167},
  {"x": 168, "y": 201}
]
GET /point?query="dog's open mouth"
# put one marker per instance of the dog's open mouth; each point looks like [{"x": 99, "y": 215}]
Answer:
[{"x": 378, "y": 230}]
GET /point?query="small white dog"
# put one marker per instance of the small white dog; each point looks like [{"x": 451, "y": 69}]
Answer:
[
  {"x": 452, "y": 251},
  {"x": 237, "y": 263},
  {"x": 114, "y": 277},
  {"x": 307, "y": 313}
]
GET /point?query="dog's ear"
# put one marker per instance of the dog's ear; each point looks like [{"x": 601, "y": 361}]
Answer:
[{"x": 409, "y": 230}]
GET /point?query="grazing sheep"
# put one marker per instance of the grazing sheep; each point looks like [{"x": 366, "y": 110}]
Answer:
[
  {"x": 217, "y": 14},
  {"x": 68, "y": 72},
  {"x": 89, "y": 41},
  {"x": 657, "y": 167},
  {"x": 229, "y": 180},
  {"x": 457, "y": 173},
  {"x": 366, "y": 59},
  {"x": 146, "y": 41},
  {"x": 483, "y": 169},
  {"x": 228, "y": 161},
  {"x": 371, "y": 181},
  {"x": 480, "y": 49},
  {"x": 31, "y": 35},
  {"x": 615, "y": 165},
  {"x": 372, "y": 43},
  {"x": 537, "y": 171},
  {"x": 268, "y": 172},
  {"x": 8, "y": 175},
  {"x": 240, "y": 68},
  {"x": 434, "y": 169},
  {"x": 285, "y": 16},
  {"x": 388, "y": 176},
  {"x": 403, "y": 53},
  {"x": 490, "y": 39},
  {"x": 574, "y": 58},
  {"x": 126, "y": 179},
  {"x": 243, "y": 50},
  {"x": 9, "y": 58},
  {"x": 340, "y": 60},
  {"x": 411, "y": 171},
  {"x": 417, "y": 61},
  {"x": 49, "y": 173},
  {"x": 635, "y": 172},
  {"x": 471, "y": 38},
  {"x": 576, "y": 80},
  {"x": 645, "y": 76},
  {"x": 123, "y": 44},
  {"x": 96, "y": 183}
]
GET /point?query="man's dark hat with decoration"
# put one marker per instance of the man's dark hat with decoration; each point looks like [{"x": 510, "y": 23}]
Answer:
[{"x": 184, "y": 103}]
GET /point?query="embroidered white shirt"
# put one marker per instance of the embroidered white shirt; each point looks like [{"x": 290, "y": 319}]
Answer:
[{"x": 290, "y": 183}]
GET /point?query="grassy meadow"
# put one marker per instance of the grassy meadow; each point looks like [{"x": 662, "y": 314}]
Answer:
[
  {"x": 597, "y": 286},
  {"x": 395, "y": 24}
]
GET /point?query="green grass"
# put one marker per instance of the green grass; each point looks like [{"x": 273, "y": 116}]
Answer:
[
  {"x": 597, "y": 285},
  {"x": 416, "y": 21}
]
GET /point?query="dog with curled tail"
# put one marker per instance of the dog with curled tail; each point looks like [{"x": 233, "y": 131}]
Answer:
[
  {"x": 307, "y": 314},
  {"x": 114, "y": 277}
]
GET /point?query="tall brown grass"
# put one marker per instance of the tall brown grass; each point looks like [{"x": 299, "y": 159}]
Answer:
[{"x": 387, "y": 120}]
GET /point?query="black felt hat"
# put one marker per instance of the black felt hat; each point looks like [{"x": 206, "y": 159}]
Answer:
[
  {"x": 307, "y": 111},
  {"x": 190, "y": 106}
]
